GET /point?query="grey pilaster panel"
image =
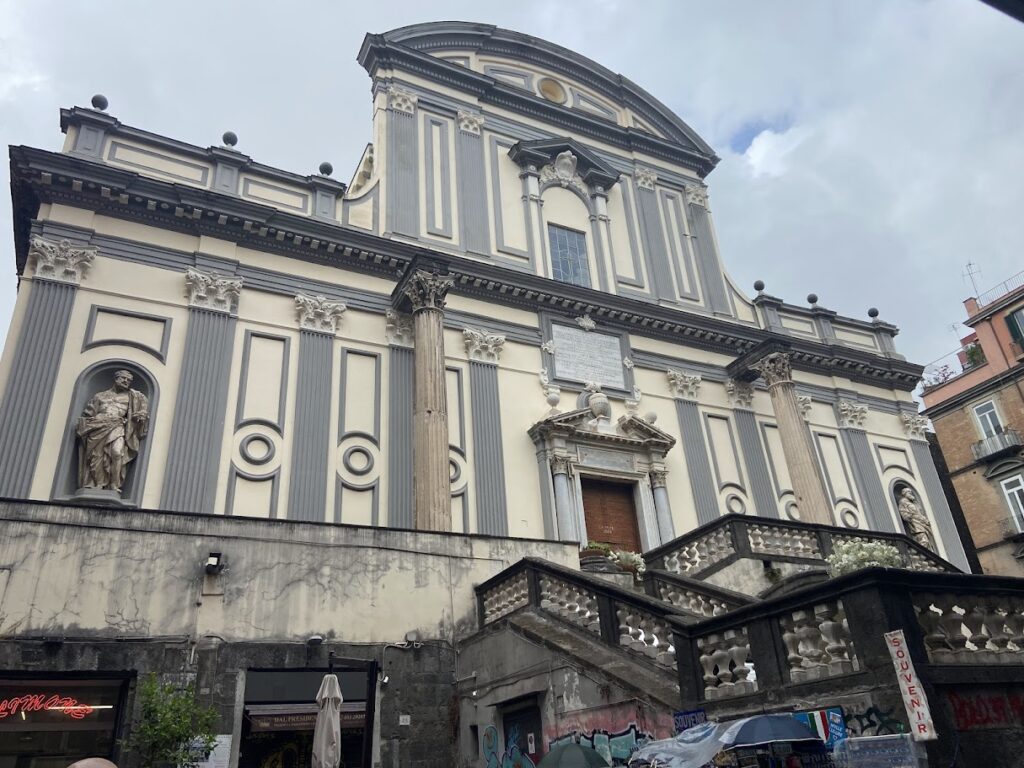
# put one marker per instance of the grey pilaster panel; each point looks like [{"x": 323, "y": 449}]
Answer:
[
  {"x": 307, "y": 485},
  {"x": 400, "y": 384},
  {"x": 653, "y": 237},
  {"x": 937, "y": 500},
  {"x": 403, "y": 194},
  {"x": 707, "y": 263},
  {"x": 488, "y": 456},
  {"x": 698, "y": 466},
  {"x": 869, "y": 483},
  {"x": 547, "y": 494},
  {"x": 190, "y": 479},
  {"x": 33, "y": 375},
  {"x": 472, "y": 192},
  {"x": 755, "y": 459}
]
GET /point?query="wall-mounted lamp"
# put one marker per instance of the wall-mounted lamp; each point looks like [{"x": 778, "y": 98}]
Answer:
[{"x": 215, "y": 563}]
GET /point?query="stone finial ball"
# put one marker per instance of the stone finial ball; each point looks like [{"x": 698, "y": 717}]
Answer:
[
  {"x": 99, "y": 101},
  {"x": 872, "y": 313},
  {"x": 759, "y": 285},
  {"x": 326, "y": 168},
  {"x": 812, "y": 298},
  {"x": 229, "y": 138}
]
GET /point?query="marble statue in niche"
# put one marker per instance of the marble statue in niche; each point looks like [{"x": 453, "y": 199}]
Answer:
[
  {"x": 109, "y": 431},
  {"x": 915, "y": 520}
]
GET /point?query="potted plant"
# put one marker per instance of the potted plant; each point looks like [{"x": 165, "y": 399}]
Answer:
[
  {"x": 850, "y": 556},
  {"x": 595, "y": 557},
  {"x": 631, "y": 562},
  {"x": 174, "y": 729},
  {"x": 595, "y": 549}
]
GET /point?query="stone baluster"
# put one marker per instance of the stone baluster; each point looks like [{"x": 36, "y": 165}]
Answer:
[
  {"x": 593, "y": 623},
  {"x": 974, "y": 620},
  {"x": 791, "y": 639},
  {"x": 836, "y": 640},
  {"x": 707, "y": 647},
  {"x": 995, "y": 610},
  {"x": 952, "y": 625},
  {"x": 1015, "y": 623},
  {"x": 739, "y": 651},
  {"x": 934, "y": 635},
  {"x": 722, "y": 657},
  {"x": 811, "y": 651}
]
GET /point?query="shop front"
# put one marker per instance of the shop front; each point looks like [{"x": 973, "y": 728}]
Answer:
[
  {"x": 280, "y": 715},
  {"x": 50, "y": 723}
]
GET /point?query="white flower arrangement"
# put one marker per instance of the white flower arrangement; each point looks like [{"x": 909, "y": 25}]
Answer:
[
  {"x": 629, "y": 561},
  {"x": 849, "y": 556}
]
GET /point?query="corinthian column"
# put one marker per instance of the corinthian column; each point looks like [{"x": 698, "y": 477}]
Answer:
[
  {"x": 808, "y": 485},
  {"x": 425, "y": 291}
]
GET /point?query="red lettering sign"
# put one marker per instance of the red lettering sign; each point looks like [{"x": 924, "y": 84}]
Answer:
[{"x": 40, "y": 702}]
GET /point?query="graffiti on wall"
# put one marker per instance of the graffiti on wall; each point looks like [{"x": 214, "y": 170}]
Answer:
[
  {"x": 615, "y": 731},
  {"x": 986, "y": 710},
  {"x": 872, "y": 721},
  {"x": 512, "y": 757}
]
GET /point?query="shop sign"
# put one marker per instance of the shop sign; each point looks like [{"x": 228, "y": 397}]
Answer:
[
  {"x": 689, "y": 718},
  {"x": 827, "y": 723},
  {"x": 301, "y": 721},
  {"x": 914, "y": 699},
  {"x": 43, "y": 702}
]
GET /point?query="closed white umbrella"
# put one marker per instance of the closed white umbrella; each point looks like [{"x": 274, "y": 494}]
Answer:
[{"x": 327, "y": 735}]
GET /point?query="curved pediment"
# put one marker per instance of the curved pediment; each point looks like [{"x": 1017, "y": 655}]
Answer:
[{"x": 582, "y": 425}]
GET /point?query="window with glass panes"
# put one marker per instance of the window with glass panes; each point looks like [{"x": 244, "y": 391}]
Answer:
[
  {"x": 988, "y": 419},
  {"x": 1013, "y": 489},
  {"x": 569, "y": 256}
]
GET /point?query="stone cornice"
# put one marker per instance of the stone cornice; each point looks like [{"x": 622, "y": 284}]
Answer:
[{"x": 40, "y": 176}]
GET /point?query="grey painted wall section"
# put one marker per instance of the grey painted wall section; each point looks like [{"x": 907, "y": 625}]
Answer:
[
  {"x": 472, "y": 192},
  {"x": 400, "y": 394},
  {"x": 652, "y": 236},
  {"x": 30, "y": 384},
  {"x": 307, "y": 485},
  {"x": 698, "y": 466},
  {"x": 488, "y": 457},
  {"x": 403, "y": 203},
  {"x": 707, "y": 263},
  {"x": 681, "y": 260},
  {"x": 868, "y": 481},
  {"x": 438, "y": 165},
  {"x": 937, "y": 500},
  {"x": 190, "y": 480},
  {"x": 756, "y": 463}
]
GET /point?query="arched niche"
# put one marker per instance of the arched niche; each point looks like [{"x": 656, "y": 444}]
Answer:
[
  {"x": 896, "y": 488},
  {"x": 568, "y": 208},
  {"x": 97, "y": 378}
]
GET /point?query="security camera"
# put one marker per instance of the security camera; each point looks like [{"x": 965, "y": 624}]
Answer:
[
  {"x": 315, "y": 640},
  {"x": 383, "y": 679},
  {"x": 215, "y": 563}
]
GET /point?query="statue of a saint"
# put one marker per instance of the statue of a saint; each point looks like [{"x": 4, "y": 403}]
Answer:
[
  {"x": 916, "y": 521},
  {"x": 109, "y": 431}
]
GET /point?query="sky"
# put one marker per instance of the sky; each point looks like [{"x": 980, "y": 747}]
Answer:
[{"x": 870, "y": 148}]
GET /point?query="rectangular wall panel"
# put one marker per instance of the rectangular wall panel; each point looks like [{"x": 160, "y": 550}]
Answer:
[
  {"x": 194, "y": 453},
  {"x": 697, "y": 465},
  {"x": 262, "y": 393},
  {"x": 30, "y": 383},
  {"x": 488, "y": 459},
  {"x": 754, "y": 457},
  {"x": 307, "y": 483},
  {"x": 708, "y": 266},
  {"x": 400, "y": 394},
  {"x": 869, "y": 482},
  {"x": 653, "y": 238},
  {"x": 472, "y": 192},
  {"x": 437, "y": 178},
  {"x": 403, "y": 206},
  {"x": 358, "y": 464}
]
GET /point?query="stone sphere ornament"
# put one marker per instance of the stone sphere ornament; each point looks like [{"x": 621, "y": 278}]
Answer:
[
  {"x": 229, "y": 138},
  {"x": 326, "y": 169},
  {"x": 812, "y": 298},
  {"x": 759, "y": 285},
  {"x": 99, "y": 101},
  {"x": 872, "y": 313}
]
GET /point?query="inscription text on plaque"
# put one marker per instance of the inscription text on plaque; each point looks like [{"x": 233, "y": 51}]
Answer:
[{"x": 586, "y": 356}]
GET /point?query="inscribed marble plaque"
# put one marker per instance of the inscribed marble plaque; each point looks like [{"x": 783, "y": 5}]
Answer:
[{"x": 587, "y": 356}]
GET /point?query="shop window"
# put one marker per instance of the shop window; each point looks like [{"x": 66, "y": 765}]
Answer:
[
  {"x": 988, "y": 419},
  {"x": 57, "y": 722},
  {"x": 1013, "y": 490},
  {"x": 569, "y": 256}
]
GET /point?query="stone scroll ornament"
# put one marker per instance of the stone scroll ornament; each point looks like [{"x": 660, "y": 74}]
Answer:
[{"x": 109, "y": 432}]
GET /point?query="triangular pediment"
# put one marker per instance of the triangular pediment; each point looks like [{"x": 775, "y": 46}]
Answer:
[
  {"x": 541, "y": 152},
  {"x": 582, "y": 426}
]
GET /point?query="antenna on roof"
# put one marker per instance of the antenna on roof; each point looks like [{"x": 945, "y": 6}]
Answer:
[{"x": 971, "y": 271}]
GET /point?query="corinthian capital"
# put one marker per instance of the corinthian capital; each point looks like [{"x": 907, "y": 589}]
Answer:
[
  {"x": 60, "y": 261},
  {"x": 914, "y": 425},
  {"x": 483, "y": 346},
  {"x": 212, "y": 291},
  {"x": 684, "y": 386},
  {"x": 427, "y": 290},
  {"x": 317, "y": 313},
  {"x": 774, "y": 368}
]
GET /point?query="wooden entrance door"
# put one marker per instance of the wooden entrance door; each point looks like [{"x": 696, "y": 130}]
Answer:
[{"x": 610, "y": 513}]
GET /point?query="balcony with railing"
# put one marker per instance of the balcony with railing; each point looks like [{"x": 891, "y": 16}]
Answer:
[
  {"x": 953, "y": 365},
  {"x": 996, "y": 445},
  {"x": 1005, "y": 287}
]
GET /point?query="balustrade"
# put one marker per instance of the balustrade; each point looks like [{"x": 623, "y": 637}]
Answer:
[
  {"x": 691, "y": 601},
  {"x": 785, "y": 541},
  {"x": 570, "y": 602},
  {"x": 506, "y": 597},
  {"x": 818, "y": 642},
  {"x": 971, "y": 629},
  {"x": 643, "y": 632},
  {"x": 700, "y": 553},
  {"x": 724, "y": 658}
]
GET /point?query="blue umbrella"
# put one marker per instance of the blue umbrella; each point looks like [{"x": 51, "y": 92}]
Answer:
[{"x": 765, "y": 729}]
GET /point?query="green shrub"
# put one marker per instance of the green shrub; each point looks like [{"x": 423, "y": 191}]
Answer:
[{"x": 173, "y": 729}]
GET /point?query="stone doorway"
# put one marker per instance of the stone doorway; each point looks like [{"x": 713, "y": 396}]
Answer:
[{"x": 609, "y": 512}]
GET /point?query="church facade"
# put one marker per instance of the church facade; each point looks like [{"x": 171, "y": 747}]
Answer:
[{"x": 510, "y": 333}]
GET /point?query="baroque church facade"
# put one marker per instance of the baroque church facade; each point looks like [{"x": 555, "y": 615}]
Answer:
[{"x": 248, "y": 415}]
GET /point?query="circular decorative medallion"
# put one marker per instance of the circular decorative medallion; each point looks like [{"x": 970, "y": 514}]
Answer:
[
  {"x": 358, "y": 460},
  {"x": 850, "y": 518},
  {"x": 735, "y": 505},
  {"x": 552, "y": 90},
  {"x": 257, "y": 449}
]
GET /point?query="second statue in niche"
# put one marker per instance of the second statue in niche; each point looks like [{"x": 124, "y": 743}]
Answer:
[{"x": 109, "y": 431}]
